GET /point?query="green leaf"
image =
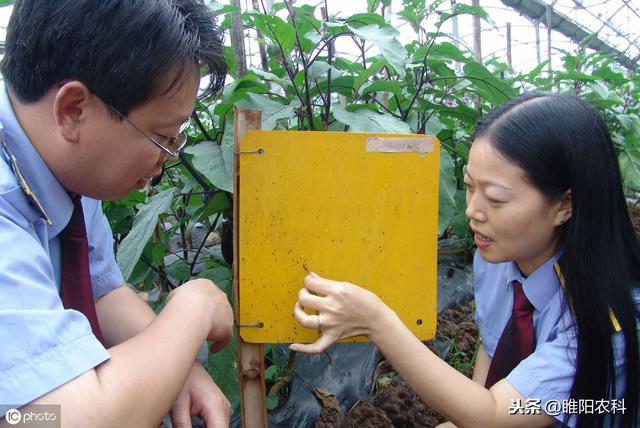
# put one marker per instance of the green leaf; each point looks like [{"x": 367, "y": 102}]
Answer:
[
  {"x": 602, "y": 96},
  {"x": 447, "y": 204},
  {"x": 630, "y": 167},
  {"x": 631, "y": 125},
  {"x": 575, "y": 75},
  {"x": 218, "y": 203},
  {"x": 461, "y": 112},
  {"x": 369, "y": 121},
  {"x": 495, "y": 90},
  {"x": 271, "y": 373},
  {"x": 272, "y": 111},
  {"x": 274, "y": 28},
  {"x": 222, "y": 276},
  {"x": 385, "y": 39},
  {"x": 215, "y": 162},
  {"x": 230, "y": 58},
  {"x": 270, "y": 77},
  {"x": 447, "y": 50},
  {"x": 368, "y": 72},
  {"x": 359, "y": 20},
  {"x": 441, "y": 69},
  {"x": 179, "y": 270},
  {"x": 216, "y": 8},
  {"x": 535, "y": 73},
  {"x": 372, "y": 5},
  {"x": 318, "y": 70},
  {"x": 434, "y": 125},
  {"x": 384, "y": 86},
  {"x": 460, "y": 223},
  {"x": 412, "y": 18},
  {"x": 462, "y": 8},
  {"x": 272, "y": 401},
  {"x": 222, "y": 368},
  {"x": 144, "y": 224},
  {"x": 606, "y": 73},
  {"x": 139, "y": 273}
]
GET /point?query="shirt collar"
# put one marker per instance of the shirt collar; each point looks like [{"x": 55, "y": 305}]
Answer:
[
  {"x": 539, "y": 287},
  {"x": 45, "y": 186}
]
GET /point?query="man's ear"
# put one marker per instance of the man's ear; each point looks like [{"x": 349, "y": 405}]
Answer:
[
  {"x": 565, "y": 209},
  {"x": 70, "y": 109}
]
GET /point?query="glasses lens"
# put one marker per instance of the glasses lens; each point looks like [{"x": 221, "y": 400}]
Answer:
[{"x": 175, "y": 144}]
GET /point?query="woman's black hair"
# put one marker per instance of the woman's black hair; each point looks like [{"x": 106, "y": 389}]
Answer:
[
  {"x": 121, "y": 49},
  {"x": 562, "y": 143}
]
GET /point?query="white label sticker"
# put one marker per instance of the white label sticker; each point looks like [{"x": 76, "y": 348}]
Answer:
[{"x": 400, "y": 145}]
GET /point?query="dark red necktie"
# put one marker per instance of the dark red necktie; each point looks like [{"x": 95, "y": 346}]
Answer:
[
  {"x": 76, "y": 280},
  {"x": 517, "y": 341}
]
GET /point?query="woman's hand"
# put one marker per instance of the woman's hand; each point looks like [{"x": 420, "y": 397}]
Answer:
[{"x": 342, "y": 310}]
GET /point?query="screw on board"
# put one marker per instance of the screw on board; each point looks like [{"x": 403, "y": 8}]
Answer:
[{"x": 256, "y": 325}]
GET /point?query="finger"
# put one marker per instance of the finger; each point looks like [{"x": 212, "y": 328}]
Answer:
[
  {"x": 221, "y": 343},
  {"x": 305, "y": 320},
  {"x": 217, "y": 416},
  {"x": 218, "y": 345},
  {"x": 309, "y": 301},
  {"x": 221, "y": 340},
  {"x": 180, "y": 416},
  {"x": 316, "y": 347},
  {"x": 319, "y": 285}
]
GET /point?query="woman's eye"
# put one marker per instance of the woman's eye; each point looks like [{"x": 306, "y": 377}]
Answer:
[{"x": 495, "y": 201}]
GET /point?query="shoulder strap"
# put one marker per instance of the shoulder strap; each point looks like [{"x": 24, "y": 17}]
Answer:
[{"x": 614, "y": 320}]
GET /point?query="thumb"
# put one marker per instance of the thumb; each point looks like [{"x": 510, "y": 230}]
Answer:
[{"x": 316, "y": 347}]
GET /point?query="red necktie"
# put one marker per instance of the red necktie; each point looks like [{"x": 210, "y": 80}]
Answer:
[
  {"x": 76, "y": 280},
  {"x": 517, "y": 340}
]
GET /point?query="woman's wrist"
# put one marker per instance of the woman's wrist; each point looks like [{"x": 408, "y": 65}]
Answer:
[{"x": 383, "y": 322}]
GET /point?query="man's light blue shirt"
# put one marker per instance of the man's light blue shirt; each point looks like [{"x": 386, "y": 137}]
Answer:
[
  {"x": 548, "y": 373},
  {"x": 42, "y": 345}
]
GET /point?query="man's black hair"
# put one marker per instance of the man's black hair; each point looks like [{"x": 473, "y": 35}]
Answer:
[{"x": 121, "y": 49}]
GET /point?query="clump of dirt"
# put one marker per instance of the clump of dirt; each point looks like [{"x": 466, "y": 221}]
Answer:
[
  {"x": 394, "y": 404},
  {"x": 405, "y": 408},
  {"x": 458, "y": 326},
  {"x": 366, "y": 415}
]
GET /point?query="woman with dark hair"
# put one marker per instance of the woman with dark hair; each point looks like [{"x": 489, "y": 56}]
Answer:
[{"x": 557, "y": 277}]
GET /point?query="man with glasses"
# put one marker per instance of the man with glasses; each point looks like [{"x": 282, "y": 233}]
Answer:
[{"x": 95, "y": 100}]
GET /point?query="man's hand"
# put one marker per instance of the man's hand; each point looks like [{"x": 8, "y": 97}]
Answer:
[{"x": 200, "y": 396}]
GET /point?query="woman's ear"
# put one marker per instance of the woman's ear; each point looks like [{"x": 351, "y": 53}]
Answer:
[
  {"x": 565, "y": 209},
  {"x": 70, "y": 109}
]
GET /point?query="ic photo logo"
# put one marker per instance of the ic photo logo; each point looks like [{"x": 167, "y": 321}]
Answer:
[
  {"x": 31, "y": 415},
  {"x": 13, "y": 416}
]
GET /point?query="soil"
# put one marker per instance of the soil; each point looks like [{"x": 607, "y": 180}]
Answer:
[{"x": 394, "y": 404}]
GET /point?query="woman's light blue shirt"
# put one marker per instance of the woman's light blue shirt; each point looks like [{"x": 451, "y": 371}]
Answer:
[
  {"x": 42, "y": 345},
  {"x": 548, "y": 373}
]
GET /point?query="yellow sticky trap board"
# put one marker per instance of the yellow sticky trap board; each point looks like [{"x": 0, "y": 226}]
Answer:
[{"x": 355, "y": 207}]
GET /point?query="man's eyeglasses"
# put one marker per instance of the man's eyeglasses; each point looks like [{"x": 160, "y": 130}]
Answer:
[{"x": 172, "y": 147}]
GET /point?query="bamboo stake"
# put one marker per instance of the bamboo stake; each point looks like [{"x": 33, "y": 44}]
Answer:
[
  {"x": 253, "y": 401},
  {"x": 237, "y": 39},
  {"x": 477, "y": 34}
]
